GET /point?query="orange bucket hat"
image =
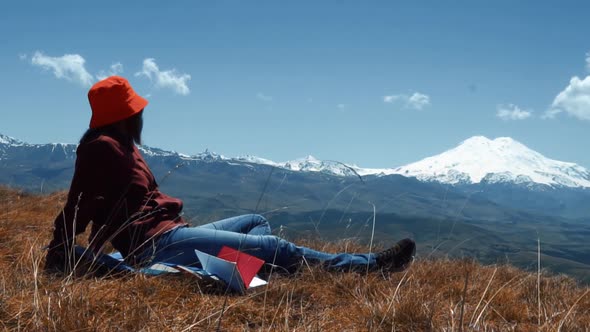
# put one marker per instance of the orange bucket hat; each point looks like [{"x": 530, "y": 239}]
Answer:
[{"x": 113, "y": 100}]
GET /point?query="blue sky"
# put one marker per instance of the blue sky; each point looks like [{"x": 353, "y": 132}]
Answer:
[{"x": 377, "y": 84}]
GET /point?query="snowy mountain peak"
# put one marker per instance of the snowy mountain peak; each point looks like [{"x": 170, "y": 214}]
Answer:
[
  {"x": 503, "y": 144},
  {"x": 209, "y": 155},
  {"x": 10, "y": 141},
  {"x": 308, "y": 163},
  {"x": 312, "y": 164},
  {"x": 311, "y": 159},
  {"x": 479, "y": 159},
  {"x": 256, "y": 160},
  {"x": 155, "y": 152},
  {"x": 159, "y": 153}
]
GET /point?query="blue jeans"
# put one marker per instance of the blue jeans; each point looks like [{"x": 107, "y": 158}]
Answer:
[{"x": 250, "y": 234}]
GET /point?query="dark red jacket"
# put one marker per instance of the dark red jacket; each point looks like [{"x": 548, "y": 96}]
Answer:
[{"x": 114, "y": 189}]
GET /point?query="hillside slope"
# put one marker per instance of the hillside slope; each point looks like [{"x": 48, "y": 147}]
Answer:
[{"x": 436, "y": 294}]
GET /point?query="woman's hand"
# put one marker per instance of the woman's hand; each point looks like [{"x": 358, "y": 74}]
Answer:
[{"x": 58, "y": 261}]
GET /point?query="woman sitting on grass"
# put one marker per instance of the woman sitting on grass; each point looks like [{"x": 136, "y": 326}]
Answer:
[{"x": 114, "y": 188}]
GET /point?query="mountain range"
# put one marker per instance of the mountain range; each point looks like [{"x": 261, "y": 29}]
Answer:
[
  {"x": 490, "y": 199},
  {"x": 502, "y": 171},
  {"x": 476, "y": 160}
]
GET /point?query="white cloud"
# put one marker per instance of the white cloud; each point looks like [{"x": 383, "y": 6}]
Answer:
[
  {"x": 263, "y": 97},
  {"x": 69, "y": 67},
  {"x": 416, "y": 101},
  {"x": 574, "y": 100},
  {"x": 115, "y": 69},
  {"x": 588, "y": 61},
  {"x": 391, "y": 99},
  {"x": 512, "y": 112},
  {"x": 166, "y": 78}
]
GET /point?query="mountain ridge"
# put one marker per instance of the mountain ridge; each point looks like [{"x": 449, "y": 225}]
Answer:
[{"x": 475, "y": 160}]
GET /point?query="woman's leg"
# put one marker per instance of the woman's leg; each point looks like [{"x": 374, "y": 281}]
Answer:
[
  {"x": 179, "y": 245},
  {"x": 253, "y": 224}
]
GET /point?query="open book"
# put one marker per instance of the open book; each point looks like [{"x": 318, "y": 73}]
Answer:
[{"x": 236, "y": 268}]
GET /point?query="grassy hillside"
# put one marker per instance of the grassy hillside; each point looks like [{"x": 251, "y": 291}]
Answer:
[
  {"x": 434, "y": 294},
  {"x": 564, "y": 248}
]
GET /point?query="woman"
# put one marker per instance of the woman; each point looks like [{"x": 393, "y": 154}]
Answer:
[{"x": 114, "y": 188}]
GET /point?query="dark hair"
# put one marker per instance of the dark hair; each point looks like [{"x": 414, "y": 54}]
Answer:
[{"x": 131, "y": 134}]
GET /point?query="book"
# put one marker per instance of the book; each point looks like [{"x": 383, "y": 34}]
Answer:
[{"x": 236, "y": 268}]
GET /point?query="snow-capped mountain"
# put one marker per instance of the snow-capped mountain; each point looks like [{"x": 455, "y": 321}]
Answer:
[
  {"x": 13, "y": 148},
  {"x": 7, "y": 140},
  {"x": 257, "y": 160},
  {"x": 152, "y": 152},
  {"x": 307, "y": 164},
  {"x": 481, "y": 160}
]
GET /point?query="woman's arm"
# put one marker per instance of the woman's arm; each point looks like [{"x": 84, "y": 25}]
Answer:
[{"x": 100, "y": 166}]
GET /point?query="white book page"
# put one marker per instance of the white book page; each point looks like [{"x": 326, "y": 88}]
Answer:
[{"x": 257, "y": 282}]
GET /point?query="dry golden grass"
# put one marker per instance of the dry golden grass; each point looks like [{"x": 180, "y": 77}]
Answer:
[{"x": 433, "y": 295}]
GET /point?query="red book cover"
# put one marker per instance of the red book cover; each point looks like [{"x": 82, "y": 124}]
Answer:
[{"x": 247, "y": 265}]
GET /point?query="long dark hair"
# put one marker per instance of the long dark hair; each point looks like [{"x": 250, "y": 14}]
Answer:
[{"x": 131, "y": 133}]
